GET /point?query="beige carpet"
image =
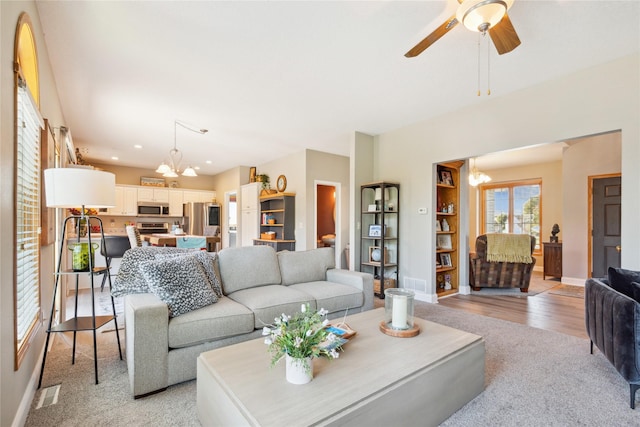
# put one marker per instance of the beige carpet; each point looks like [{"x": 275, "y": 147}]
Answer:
[
  {"x": 535, "y": 287},
  {"x": 533, "y": 378}
]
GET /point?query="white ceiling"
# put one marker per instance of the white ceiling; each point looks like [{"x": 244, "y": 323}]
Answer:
[{"x": 272, "y": 78}]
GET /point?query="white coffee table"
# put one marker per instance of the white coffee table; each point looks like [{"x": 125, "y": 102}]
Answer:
[{"x": 378, "y": 380}]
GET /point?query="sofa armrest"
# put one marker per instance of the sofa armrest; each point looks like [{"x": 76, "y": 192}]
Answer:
[
  {"x": 613, "y": 325},
  {"x": 362, "y": 281},
  {"x": 147, "y": 346}
]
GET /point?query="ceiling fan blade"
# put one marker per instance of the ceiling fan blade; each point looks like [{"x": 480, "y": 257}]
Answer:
[
  {"x": 504, "y": 36},
  {"x": 433, "y": 37}
]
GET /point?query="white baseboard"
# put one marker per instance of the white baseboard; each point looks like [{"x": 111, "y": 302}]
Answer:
[
  {"x": 577, "y": 281},
  {"x": 421, "y": 296},
  {"x": 30, "y": 392}
]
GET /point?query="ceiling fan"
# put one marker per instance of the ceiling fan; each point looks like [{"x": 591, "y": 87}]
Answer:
[{"x": 477, "y": 15}]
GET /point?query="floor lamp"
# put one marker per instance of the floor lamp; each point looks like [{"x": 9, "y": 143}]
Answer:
[{"x": 88, "y": 188}]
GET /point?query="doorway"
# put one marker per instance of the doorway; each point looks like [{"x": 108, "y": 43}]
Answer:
[
  {"x": 605, "y": 207},
  {"x": 231, "y": 207},
  {"x": 327, "y": 217}
]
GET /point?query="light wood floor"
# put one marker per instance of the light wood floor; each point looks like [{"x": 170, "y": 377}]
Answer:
[{"x": 545, "y": 310}]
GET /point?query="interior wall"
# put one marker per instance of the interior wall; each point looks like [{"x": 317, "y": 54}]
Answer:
[
  {"x": 593, "y": 101},
  {"x": 225, "y": 182},
  {"x": 551, "y": 197},
  {"x": 18, "y": 387},
  {"x": 126, "y": 175},
  {"x": 361, "y": 171},
  {"x": 585, "y": 157},
  {"x": 293, "y": 167}
]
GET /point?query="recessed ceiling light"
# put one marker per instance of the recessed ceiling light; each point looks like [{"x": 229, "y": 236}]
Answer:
[
  {"x": 114, "y": 158},
  {"x": 208, "y": 162},
  {"x": 197, "y": 167},
  {"x": 138, "y": 146}
]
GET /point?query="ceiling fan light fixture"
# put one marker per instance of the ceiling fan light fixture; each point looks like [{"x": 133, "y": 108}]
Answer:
[{"x": 481, "y": 15}]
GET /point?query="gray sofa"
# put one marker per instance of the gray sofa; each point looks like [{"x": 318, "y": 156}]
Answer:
[{"x": 258, "y": 285}]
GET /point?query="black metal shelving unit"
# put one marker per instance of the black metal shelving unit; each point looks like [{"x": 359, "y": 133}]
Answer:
[{"x": 379, "y": 233}]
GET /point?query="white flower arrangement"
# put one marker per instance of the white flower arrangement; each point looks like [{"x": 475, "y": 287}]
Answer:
[{"x": 300, "y": 336}]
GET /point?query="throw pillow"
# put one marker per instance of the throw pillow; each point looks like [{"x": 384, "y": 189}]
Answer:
[
  {"x": 129, "y": 279},
  {"x": 621, "y": 279},
  {"x": 209, "y": 263},
  {"x": 181, "y": 283}
]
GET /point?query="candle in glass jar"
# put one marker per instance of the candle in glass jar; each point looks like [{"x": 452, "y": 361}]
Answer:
[{"x": 399, "y": 313}]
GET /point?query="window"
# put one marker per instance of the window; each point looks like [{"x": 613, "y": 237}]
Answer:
[
  {"x": 27, "y": 192},
  {"x": 512, "y": 208}
]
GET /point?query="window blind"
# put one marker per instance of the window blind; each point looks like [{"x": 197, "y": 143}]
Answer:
[{"x": 28, "y": 187}]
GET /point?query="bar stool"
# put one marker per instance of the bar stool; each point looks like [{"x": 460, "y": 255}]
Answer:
[
  {"x": 114, "y": 247},
  {"x": 134, "y": 236}
]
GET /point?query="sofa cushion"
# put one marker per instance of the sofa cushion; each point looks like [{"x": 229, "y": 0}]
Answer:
[
  {"x": 248, "y": 267},
  {"x": 130, "y": 279},
  {"x": 208, "y": 261},
  {"x": 269, "y": 302},
  {"x": 621, "y": 279},
  {"x": 332, "y": 296},
  {"x": 223, "y": 319},
  {"x": 181, "y": 283},
  {"x": 305, "y": 266}
]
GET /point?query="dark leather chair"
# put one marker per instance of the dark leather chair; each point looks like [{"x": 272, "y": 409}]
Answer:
[
  {"x": 613, "y": 325},
  {"x": 114, "y": 247},
  {"x": 486, "y": 274}
]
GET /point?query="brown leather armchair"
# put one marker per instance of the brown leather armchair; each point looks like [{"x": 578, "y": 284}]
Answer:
[{"x": 485, "y": 274}]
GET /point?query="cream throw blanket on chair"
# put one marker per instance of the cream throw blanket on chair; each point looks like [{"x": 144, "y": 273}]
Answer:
[{"x": 509, "y": 248}]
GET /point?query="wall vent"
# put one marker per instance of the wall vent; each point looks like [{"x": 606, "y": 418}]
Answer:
[{"x": 416, "y": 285}]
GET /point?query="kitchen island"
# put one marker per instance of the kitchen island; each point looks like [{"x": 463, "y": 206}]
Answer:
[{"x": 168, "y": 239}]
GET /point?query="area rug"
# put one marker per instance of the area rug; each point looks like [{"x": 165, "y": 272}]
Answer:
[
  {"x": 533, "y": 378},
  {"x": 515, "y": 292},
  {"x": 568, "y": 291}
]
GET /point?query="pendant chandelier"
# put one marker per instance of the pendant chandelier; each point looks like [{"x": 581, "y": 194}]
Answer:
[
  {"x": 172, "y": 168},
  {"x": 476, "y": 177}
]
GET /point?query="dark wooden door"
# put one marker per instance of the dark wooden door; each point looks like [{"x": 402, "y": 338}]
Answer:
[{"x": 606, "y": 207}]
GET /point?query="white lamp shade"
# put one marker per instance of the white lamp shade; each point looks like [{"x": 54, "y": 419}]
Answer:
[{"x": 73, "y": 188}]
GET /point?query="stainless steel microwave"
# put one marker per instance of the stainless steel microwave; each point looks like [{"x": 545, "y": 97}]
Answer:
[{"x": 153, "y": 209}]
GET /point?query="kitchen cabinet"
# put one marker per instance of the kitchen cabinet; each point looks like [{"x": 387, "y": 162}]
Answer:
[
  {"x": 126, "y": 201},
  {"x": 176, "y": 199},
  {"x": 155, "y": 195},
  {"x": 249, "y": 213},
  {"x": 198, "y": 196},
  {"x": 379, "y": 244}
]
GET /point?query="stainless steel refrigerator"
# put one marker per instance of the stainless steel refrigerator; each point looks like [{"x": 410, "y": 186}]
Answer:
[{"x": 201, "y": 219}]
